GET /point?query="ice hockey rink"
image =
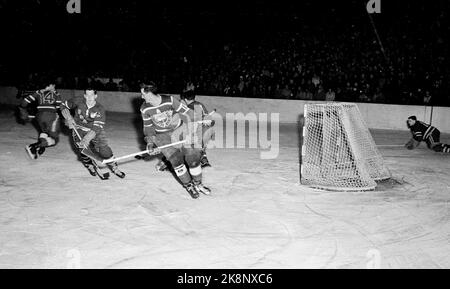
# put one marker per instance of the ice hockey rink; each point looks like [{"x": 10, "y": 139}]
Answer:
[{"x": 53, "y": 214}]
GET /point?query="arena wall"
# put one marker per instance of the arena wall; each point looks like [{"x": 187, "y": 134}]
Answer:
[{"x": 377, "y": 116}]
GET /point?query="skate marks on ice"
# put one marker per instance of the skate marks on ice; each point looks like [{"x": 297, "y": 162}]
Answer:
[
  {"x": 407, "y": 223},
  {"x": 404, "y": 235},
  {"x": 209, "y": 232},
  {"x": 257, "y": 216},
  {"x": 224, "y": 230}
]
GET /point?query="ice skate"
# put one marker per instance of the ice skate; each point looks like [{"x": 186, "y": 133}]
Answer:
[
  {"x": 40, "y": 151},
  {"x": 161, "y": 166},
  {"x": 190, "y": 188},
  {"x": 91, "y": 169},
  {"x": 204, "y": 161},
  {"x": 31, "y": 150},
  {"x": 200, "y": 188},
  {"x": 115, "y": 170}
]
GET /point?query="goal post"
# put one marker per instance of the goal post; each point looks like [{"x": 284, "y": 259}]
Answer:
[{"x": 338, "y": 151}]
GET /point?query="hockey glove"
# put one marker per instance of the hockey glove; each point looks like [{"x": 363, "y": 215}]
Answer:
[
  {"x": 412, "y": 144},
  {"x": 209, "y": 122},
  {"x": 69, "y": 124},
  {"x": 151, "y": 146},
  {"x": 151, "y": 143},
  {"x": 87, "y": 139},
  {"x": 23, "y": 114},
  {"x": 68, "y": 119}
]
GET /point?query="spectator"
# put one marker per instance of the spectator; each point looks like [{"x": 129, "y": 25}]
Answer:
[
  {"x": 330, "y": 95},
  {"x": 320, "y": 94},
  {"x": 296, "y": 64},
  {"x": 286, "y": 92},
  {"x": 427, "y": 98},
  {"x": 111, "y": 85}
]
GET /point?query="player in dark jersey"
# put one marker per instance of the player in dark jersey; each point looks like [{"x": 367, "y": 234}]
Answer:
[
  {"x": 31, "y": 109},
  {"x": 90, "y": 120},
  {"x": 166, "y": 120},
  {"x": 200, "y": 114},
  {"x": 424, "y": 132},
  {"x": 48, "y": 101}
]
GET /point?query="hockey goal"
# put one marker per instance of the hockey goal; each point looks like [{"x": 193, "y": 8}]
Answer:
[{"x": 338, "y": 151}]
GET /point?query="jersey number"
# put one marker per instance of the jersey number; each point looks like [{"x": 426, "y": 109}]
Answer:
[{"x": 48, "y": 99}]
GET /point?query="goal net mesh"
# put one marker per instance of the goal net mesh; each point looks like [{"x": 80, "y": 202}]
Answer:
[{"x": 338, "y": 151}]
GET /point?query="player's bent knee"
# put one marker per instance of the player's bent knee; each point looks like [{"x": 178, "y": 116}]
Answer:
[
  {"x": 193, "y": 158},
  {"x": 193, "y": 163},
  {"x": 176, "y": 159},
  {"x": 105, "y": 152}
]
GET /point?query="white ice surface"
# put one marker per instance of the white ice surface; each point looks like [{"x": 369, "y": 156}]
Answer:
[{"x": 53, "y": 214}]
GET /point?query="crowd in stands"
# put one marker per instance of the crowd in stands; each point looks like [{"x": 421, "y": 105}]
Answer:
[{"x": 407, "y": 64}]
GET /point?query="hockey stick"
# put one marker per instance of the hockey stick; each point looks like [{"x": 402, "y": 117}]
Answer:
[
  {"x": 86, "y": 151},
  {"x": 211, "y": 113},
  {"x": 150, "y": 152},
  {"x": 94, "y": 158},
  {"x": 393, "y": 146},
  {"x": 206, "y": 120}
]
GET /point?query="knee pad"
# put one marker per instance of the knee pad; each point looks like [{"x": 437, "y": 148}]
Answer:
[
  {"x": 193, "y": 157},
  {"x": 105, "y": 152},
  {"x": 176, "y": 159}
]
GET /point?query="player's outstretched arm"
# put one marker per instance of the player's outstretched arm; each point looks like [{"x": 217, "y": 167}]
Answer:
[
  {"x": 68, "y": 119},
  {"x": 412, "y": 144},
  {"x": 86, "y": 140}
]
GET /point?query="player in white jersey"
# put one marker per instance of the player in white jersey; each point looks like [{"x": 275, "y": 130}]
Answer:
[{"x": 166, "y": 120}]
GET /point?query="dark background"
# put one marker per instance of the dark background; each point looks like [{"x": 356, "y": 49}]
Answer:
[{"x": 172, "y": 42}]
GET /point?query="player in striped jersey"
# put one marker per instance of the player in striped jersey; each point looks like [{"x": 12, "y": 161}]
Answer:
[
  {"x": 48, "y": 101},
  {"x": 166, "y": 120},
  {"x": 90, "y": 118},
  {"x": 424, "y": 132},
  {"x": 200, "y": 114}
]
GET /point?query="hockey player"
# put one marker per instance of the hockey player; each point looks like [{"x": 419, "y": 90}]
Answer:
[
  {"x": 200, "y": 114},
  {"x": 165, "y": 120},
  {"x": 424, "y": 132},
  {"x": 48, "y": 101},
  {"x": 89, "y": 121}
]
